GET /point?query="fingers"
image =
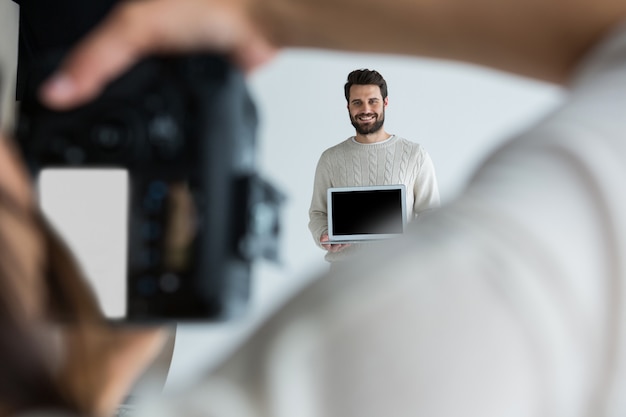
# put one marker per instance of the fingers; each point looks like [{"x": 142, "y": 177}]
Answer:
[
  {"x": 340, "y": 247},
  {"x": 254, "y": 54},
  {"x": 332, "y": 247},
  {"x": 111, "y": 48},
  {"x": 135, "y": 29},
  {"x": 335, "y": 247}
]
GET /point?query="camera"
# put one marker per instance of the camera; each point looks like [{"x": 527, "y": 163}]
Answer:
[{"x": 184, "y": 128}]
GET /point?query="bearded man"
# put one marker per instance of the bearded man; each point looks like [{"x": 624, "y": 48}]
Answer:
[{"x": 370, "y": 157}]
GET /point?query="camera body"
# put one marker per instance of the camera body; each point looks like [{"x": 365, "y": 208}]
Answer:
[{"x": 184, "y": 128}]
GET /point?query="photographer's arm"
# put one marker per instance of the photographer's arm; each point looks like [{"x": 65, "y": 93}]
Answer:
[{"x": 540, "y": 39}]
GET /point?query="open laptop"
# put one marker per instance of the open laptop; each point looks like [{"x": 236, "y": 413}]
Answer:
[{"x": 369, "y": 213}]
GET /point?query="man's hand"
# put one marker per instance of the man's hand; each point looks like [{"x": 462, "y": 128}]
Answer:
[
  {"x": 135, "y": 29},
  {"x": 332, "y": 247}
]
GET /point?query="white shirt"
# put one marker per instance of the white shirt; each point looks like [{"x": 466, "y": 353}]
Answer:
[{"x": 507, "y": 302}]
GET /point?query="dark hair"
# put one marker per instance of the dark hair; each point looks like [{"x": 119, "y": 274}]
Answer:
[{"x": 365, "y": 77}]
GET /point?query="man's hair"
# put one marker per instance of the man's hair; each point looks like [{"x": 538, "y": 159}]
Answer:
[{"x": 365, "y": 77}]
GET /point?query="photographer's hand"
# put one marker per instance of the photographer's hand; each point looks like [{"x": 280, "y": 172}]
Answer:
[
  {"x": 488, "y": 33},
  {"x": 138, "y": 28}
]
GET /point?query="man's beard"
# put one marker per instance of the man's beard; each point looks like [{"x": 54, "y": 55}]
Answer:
[{"x": 368, "y": 129}]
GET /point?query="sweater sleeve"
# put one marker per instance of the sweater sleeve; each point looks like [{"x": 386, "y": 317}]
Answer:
[
  {"x": 318, "y": 216},
  {"x": 425, "y": 188}
]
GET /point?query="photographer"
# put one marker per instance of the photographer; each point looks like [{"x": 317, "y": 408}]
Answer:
[{"x": 509, "y": 301}]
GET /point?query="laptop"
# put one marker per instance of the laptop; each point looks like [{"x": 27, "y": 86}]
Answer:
[{"x": 368, "y": 213}]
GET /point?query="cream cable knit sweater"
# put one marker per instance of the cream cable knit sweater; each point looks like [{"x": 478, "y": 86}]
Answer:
[{"x": 350, "y": 163}]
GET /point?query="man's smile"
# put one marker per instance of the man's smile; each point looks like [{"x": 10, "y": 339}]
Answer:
[{"x": 366, "y": 117}]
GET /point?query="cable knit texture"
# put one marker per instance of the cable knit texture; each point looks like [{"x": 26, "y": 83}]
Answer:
[{"x": 351, "y": 164}]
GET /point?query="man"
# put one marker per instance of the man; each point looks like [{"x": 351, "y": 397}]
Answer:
[
  {"x": 511, "y": 300},
  {"x": 370, "y": 157}
]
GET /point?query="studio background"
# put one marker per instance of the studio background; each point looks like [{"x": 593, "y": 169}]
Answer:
[{"x": 457, "y": 112}]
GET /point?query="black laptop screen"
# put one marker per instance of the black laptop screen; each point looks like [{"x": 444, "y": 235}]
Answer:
[{"x": 367, "y": 212}]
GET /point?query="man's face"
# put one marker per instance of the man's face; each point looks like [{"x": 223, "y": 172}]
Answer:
[{"x": 366, "y": 108}]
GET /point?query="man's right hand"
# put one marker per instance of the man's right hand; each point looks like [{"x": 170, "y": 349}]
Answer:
[{"x": 332, "y": 247}]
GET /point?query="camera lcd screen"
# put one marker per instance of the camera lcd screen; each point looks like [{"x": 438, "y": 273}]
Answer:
[{"x": 89, "y": 208}]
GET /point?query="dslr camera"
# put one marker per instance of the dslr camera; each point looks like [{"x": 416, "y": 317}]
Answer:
[{"x": 184, "y": 129}]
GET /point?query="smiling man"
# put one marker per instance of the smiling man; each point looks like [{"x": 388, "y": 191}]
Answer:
[{"x": 370, "y": 157}]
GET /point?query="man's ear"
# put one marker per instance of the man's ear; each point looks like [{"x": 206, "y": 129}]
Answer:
[{"x": 386, "y": 101}]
